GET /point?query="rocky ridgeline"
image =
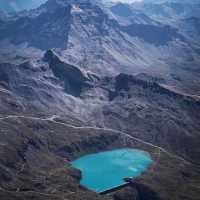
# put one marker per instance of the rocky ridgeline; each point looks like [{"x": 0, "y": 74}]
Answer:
[
  {"x": 139, "y": 107},
  {"x": 49, "y": 97},
  {"x": 74, "y": 79}
]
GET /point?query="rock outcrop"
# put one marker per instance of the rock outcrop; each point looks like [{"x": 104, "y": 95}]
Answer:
[{"x": 74, "y": 80}]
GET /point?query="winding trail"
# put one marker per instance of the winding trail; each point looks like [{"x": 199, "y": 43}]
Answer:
[{"x": 53, "y": 117}]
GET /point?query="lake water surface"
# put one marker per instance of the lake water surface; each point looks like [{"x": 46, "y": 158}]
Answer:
[{"x": 105, "y": 170}]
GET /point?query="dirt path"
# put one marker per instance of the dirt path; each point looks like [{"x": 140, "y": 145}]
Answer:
[{"x": 53, "y": 117}]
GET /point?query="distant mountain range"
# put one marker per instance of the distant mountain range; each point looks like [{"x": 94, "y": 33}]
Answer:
[
  {"x": 129, "y": 38},
  {"x": 17, "y": 5},
  {"x": 80, "y": 76}
]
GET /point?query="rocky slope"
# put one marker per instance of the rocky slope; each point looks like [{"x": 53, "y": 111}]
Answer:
[
  {"x": 35, "y": 155},
  {"x": 155, "y": 114},
  {"x": 143, "y": 108},
  {"x": 123, "y": 103},
  {"x": 110, "y": 81}
]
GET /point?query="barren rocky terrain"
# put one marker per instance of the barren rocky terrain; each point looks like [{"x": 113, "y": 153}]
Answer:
[{"x": 79, "y": 77}]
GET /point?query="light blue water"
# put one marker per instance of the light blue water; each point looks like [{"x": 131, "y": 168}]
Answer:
[{"x": 105, "y": 170}]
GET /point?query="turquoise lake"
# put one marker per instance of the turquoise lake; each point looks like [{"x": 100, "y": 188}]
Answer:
[{"x": 105, "y": 170}]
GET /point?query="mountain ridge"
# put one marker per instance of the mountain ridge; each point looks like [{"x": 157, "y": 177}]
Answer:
[
  {"x": 80, "y": 77},
  {"x": 102, "y": 38}
]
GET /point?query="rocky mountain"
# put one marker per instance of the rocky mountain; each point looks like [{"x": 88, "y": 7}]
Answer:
[
  {"x": 173, "y": 13},
  {"x": 80, "y": 77},
  {"x": 139, "y": 107},
  {"x": 17, "y": 5},
  {"x": 147, "y": 45}
]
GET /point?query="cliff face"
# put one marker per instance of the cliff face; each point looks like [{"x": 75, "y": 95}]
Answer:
[
  {"x": 51, "y": 28},
  {"x": 74, "y": 80}
]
